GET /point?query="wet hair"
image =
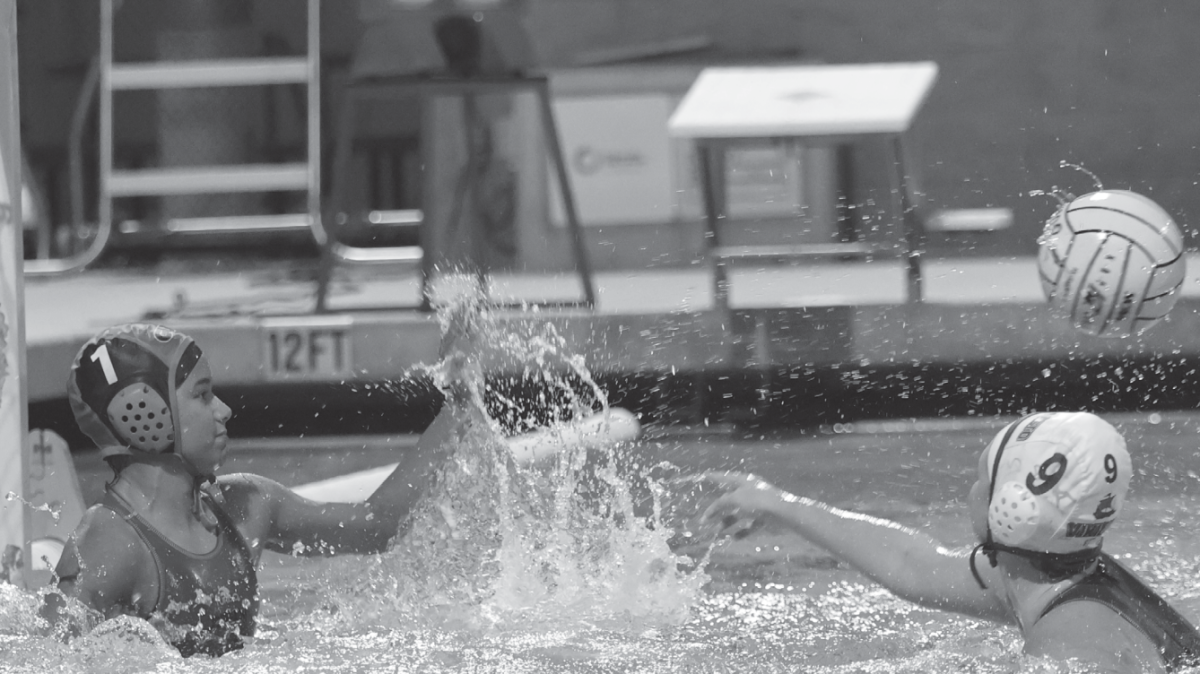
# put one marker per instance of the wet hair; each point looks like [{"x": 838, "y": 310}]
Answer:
[{"x": 187, "y": 362}]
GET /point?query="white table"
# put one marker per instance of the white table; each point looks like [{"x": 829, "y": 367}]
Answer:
[{"x": 729, "y": 105}]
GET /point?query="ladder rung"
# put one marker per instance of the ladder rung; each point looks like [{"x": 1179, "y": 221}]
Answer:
[
  {"x": 800, "y": 251},
  {"x": 408, "y": 216},
  {"x": 381, "y": 255},
  {"x": 210, "y": 73},
  {"x": 206, "y": 179},
  {"x": 238, "y": 224}
]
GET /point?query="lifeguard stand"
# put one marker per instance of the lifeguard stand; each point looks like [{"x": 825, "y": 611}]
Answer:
[
  {"x": 421, "y": 52},
  {"x": 812, "y": 104}
]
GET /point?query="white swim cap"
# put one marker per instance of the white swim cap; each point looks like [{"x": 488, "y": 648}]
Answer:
[{"x": 1058, "y": 480}]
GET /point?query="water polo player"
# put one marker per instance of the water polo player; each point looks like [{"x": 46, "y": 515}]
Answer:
[
  {"x": 164, "y": 544},
  {"x": 1049, "y": 486}
]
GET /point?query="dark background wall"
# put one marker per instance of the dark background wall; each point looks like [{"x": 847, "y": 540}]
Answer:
[{"x": 1024, "y": 85}]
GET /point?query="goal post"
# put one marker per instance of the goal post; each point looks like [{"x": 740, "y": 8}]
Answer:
[{"x": 14, "y": 448}]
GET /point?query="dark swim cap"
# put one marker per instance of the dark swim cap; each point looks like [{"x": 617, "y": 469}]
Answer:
[{"x": 122, "y": 387}]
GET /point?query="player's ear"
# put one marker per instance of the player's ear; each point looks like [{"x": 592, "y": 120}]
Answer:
[{"x": 977, "y": 508}]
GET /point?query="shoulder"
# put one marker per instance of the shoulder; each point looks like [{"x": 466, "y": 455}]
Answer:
[
  {"x": 241, "y": 486},
  {"x": 104, "y": 529},
  {"x": 1094, "y": 633},
  {"x": 106, "y": 563},
  {"x": 250, "y": 500},
  {"x": 248, "y": 490}
]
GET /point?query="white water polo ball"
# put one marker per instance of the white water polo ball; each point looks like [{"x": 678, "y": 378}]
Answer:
[{"x": 1111, "y": 262}]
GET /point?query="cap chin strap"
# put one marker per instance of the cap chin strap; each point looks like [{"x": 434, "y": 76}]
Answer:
[
  {"x": 989, "y": 546},
  {"x": 1055, "y": 564},
  {"x": 202, "y": 513},
  {"x": 201, "y": 477},
  {"x": 199, "y": 480},
  {"x": 989, "y": 549}
]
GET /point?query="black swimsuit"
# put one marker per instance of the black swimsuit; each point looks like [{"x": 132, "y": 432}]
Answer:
[
  {"x": 1111, "y": 584},
  {"x": 209, "y": 600}
]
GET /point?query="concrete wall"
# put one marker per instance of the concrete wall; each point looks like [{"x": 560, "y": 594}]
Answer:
[{"x": 1024, "y": 85}]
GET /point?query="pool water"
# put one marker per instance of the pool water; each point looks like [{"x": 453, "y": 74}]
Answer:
[
  {"x": 594, "y": 563},
  {"x": 769, "y": 602}
]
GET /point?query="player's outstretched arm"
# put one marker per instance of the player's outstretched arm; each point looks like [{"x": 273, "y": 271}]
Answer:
[
  {"x": 908, "y": 562},
  {"x": 293, "y": 524},
  {"x": 417, "y": 470},
  {"x": 281, "y": 520}
]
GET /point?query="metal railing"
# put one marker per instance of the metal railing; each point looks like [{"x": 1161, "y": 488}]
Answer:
[{"x": 104, "y": 77}]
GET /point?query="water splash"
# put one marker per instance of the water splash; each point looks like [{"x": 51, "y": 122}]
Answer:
[
  {"x": 793, "y": 613},
  {"x": 18, "y": 609},
  {"x": 1062, "y": 196},
  {"x": 1079, "y": 167},
  {"x": 496, "y": 544},
  {"x": 54, "y": 511}
]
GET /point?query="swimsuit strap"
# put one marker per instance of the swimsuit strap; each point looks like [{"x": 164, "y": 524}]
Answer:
[
  {"x": 1114, "y": 586},
  {"x": 119, "y": 507},
  {"x": 225, "y": 523}
]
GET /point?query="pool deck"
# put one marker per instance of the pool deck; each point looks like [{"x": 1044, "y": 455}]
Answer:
[{"x": 975, "y": 310}]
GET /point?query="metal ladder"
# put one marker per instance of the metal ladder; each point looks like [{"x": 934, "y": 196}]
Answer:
[
  {"x": 105, "y": 78},
  {"x": 165, "y": 181}
]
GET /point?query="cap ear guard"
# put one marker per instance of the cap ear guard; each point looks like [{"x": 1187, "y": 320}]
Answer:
[
  {"x": 141, "y": 418},
  {"x": 1014, "y": 514}
]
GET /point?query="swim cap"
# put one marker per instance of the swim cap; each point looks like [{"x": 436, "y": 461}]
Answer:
[
  {"x": 1058, "y": 480},
  {"x": 122, "y": 387}
]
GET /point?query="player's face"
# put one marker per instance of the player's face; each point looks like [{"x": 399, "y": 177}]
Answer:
[
  {"x": 977, "y": 500},
  {"x": 202, "y": 418}
]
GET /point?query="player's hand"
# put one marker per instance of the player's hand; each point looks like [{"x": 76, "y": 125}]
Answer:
[
  {"x": 743, "y": 508},
  {"x": 462, "y": 325},
  {"x": 459, "y": 369},
  {"x": 460, "y": 376}
]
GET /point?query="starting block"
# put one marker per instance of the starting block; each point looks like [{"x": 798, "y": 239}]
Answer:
[{"x": 56, "y": 502}]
